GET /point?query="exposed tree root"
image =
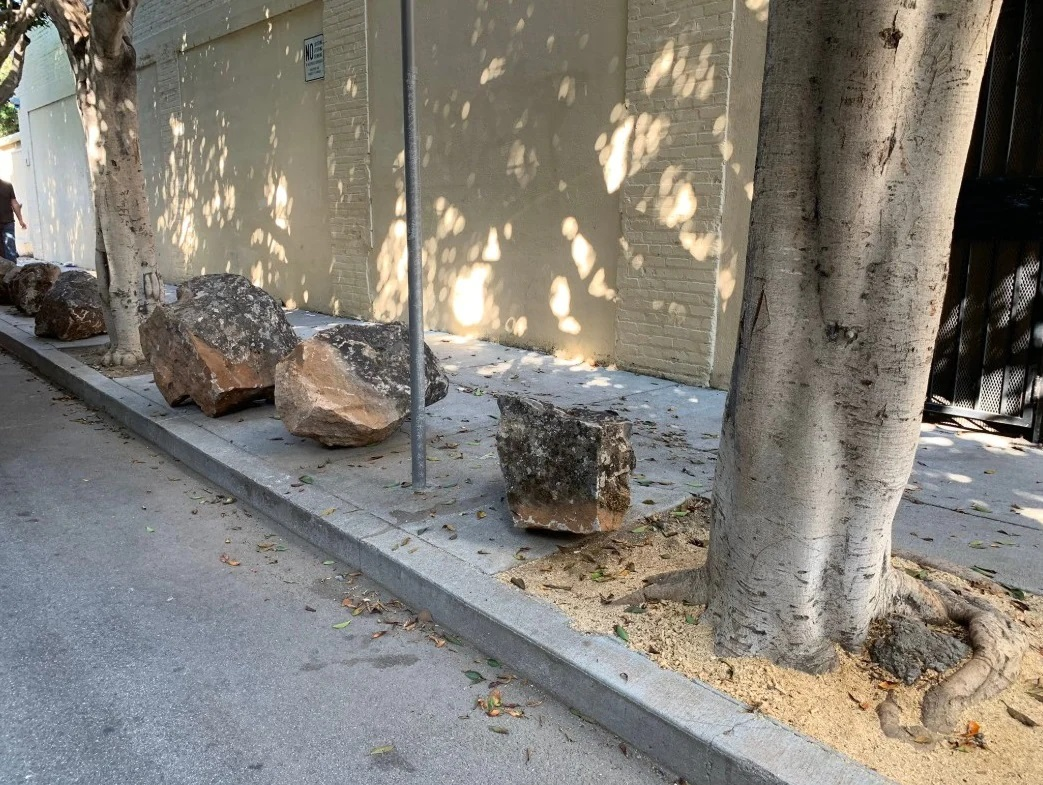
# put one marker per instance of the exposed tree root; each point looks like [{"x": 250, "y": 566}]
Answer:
[
  {"x": 687, "y": 586},
  {"x": 115, "y": 358},
  {"x": 998, "y": 647},
  {"x": 890, "y": 715}
]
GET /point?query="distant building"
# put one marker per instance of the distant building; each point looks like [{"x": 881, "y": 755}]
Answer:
[{"x": 587, "y": 164}]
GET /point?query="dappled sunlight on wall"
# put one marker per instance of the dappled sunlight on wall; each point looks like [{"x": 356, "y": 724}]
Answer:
[
  {"x": 237, "y": 177},
  {"x": 667, "y": 149},
  {"x": 510, "y": 96}
]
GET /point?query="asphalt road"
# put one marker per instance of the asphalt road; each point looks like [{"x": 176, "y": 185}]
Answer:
[{"x": 153, "y": 631}]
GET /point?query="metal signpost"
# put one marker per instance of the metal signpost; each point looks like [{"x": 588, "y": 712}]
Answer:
[{"x": 417, "y": 373}]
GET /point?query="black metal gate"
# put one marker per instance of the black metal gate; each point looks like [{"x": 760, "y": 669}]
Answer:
[{"x": 988, "y": 360}]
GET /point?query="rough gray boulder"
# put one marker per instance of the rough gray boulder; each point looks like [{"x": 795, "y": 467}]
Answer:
[
  {"x": 349, "y": 386},
  {"x": 908, "y": 647},
  {"x": 72, "y": 309},
  {"x": 6, "y": 266},
  {"x": 566, "y": 470},
  {"x": 218, "y": 344},
  {"x": 27, "y": 285}
]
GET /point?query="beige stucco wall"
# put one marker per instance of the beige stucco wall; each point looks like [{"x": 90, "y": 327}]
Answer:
[
  {"x": 587, "y": 164},
  {"x": 240, "y": 185},
  {"x": 521, "y": 230}
]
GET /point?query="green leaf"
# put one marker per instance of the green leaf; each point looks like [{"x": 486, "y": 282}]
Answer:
[
  {"x": 689, "y": 619},
  {"x": 979, "y": 507},
  {"x": 622, "y": 633},
  {"x": 341, "y": 624},
  {"x": 328, "y": 562},
  {"x": 382, "y": 750},
  {"x": 920, "y": 575},
  {"x": 977, "y": 544},
  {"x": 494, "y": 663},
  {"x": 679, "y": 513},
  {"x": 983, "y": 570},
  {"x": 307, "y": 479},
  {"x": 499, "y": 729},
  {"x": 639, "y": 530},
  {"x": 1014, "y": 591},
  {"x": 634, "y": 609},
  {"x": 474, "y": 676},
  {"x": 149, "y": 529}
]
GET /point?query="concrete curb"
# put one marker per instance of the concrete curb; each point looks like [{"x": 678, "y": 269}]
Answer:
[{"x": 690, "y": 728}]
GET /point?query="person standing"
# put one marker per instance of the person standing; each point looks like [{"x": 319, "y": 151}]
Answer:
[{"x": 9, "y": 210}]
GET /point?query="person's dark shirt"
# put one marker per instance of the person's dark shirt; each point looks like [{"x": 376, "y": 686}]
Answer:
[{"x": 6, "y": 197}]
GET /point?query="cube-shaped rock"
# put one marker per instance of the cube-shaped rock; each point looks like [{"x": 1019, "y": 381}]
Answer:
[
  {"x": 218, "y": 345},
  {"x": 566, "y": 469},
  {"x": 72, "y": 309},
  {"x": 349, "y": 386}
]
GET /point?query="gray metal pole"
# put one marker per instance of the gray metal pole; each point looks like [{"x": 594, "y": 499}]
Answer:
[{"x": 417, "y": 375}]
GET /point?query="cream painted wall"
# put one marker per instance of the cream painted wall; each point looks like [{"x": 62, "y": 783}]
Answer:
[
  {"x": 521, "y": 222},
  {"x": 62, "y": 212},
  {"x": 241, "y": 184},
  {"x": 56, "y": 195}
]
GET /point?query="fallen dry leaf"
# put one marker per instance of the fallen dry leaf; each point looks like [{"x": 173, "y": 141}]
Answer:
[{"x": 1024, "y": 719}]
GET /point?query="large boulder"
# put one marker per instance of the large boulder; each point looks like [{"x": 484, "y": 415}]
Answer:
[
  {"x": 6, "y": 266},
  {"x": 27, "y": 285},
  {"x": 566, "y": 470},
  {"x": 72, "y": 309},
  {"x": 349, "y": 386},
  {"x": 218, "y": 344}
]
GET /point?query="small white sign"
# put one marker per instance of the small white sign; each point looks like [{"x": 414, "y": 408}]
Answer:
[{"x": 314, "y": 59}]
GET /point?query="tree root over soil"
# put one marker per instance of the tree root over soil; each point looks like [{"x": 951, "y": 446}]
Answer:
[{"x": 997, "y": 645}]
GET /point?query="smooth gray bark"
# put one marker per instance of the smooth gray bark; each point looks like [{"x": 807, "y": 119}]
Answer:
[
  {"x": 97, "y": 42},
  {"x": 865, "y": 124}
]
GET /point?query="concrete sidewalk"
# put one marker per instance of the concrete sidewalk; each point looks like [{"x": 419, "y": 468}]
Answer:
[
  {"x": 355, "y": 504},
  {"x": 975, "y": 499}
]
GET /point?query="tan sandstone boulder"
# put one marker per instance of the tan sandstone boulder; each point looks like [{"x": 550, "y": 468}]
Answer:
[
  {"x": 566, "y": 470},
  {"x": 349, "y": 386},
  {"x": 218, "y": 344}
]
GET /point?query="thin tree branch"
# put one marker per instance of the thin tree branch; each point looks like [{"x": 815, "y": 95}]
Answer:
[{"x": 14, "y": 76}]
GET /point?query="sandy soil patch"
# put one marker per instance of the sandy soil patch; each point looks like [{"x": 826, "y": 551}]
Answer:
[{"x": 837, "y": 708}]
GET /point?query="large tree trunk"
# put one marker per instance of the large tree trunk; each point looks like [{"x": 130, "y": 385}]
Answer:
[
  {"x": 866, "y": 120},
  {"x": 104, "y": 65}
]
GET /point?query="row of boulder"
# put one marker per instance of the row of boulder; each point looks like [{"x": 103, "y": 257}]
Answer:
[
  {"x": 66, "y": 306},
  {"x": 225, "y": 344}
]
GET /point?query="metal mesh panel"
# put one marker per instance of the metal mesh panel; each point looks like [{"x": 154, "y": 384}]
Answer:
[{"x": 988, "y": 354}]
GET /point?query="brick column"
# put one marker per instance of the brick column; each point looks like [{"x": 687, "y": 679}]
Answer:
[
  {"x": 171, "y": 200},
  {"x": 677, "y": 81},
  {"x": 347, "y": 134}
]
